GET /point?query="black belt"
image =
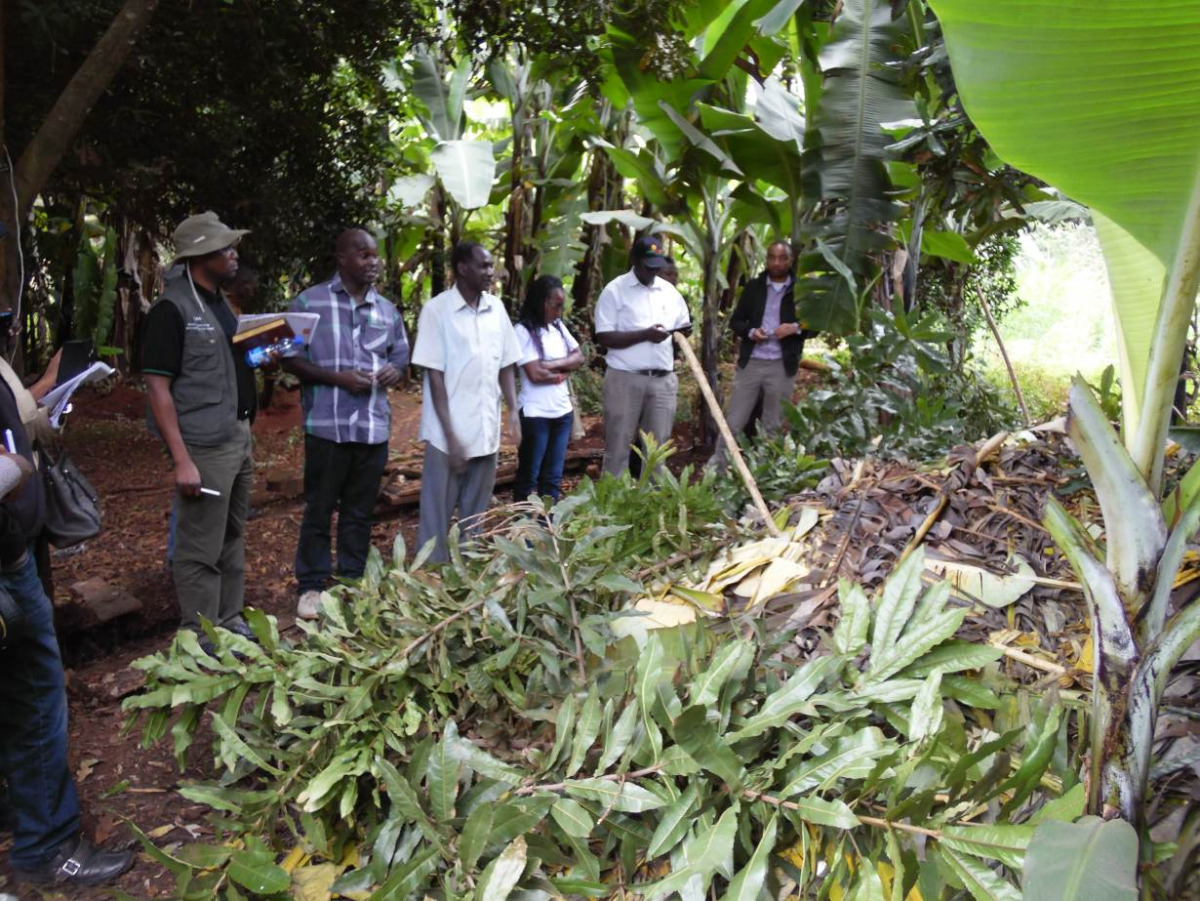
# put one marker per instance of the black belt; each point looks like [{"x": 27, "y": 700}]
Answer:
[{"x": 653, "y": 373}]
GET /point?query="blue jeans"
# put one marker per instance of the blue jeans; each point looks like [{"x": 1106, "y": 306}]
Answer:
[
  {"x": 541, "y": 456},
  {"x": 33, "y": 727}
]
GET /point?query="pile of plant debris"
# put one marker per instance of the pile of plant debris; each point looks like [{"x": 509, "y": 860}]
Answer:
[{"x": 635, "y": 697}]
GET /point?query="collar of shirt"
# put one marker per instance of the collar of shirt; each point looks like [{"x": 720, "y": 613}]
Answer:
[
  {"x": 337, "y": 287},
  {"x": 459, "y": 302},
  {"x": 632, "y": 281},
  {"x": 778, "y": 286}
]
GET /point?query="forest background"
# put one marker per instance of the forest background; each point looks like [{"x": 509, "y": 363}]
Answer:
[
  {"x": 552, "y": 133},
  {"x": 556, "y": 133}
]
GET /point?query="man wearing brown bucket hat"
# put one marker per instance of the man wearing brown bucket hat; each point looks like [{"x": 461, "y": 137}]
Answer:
[{"x": 202, "y": 400}]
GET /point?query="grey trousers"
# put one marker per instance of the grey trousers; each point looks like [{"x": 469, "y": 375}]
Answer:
[
  {"x": 442, "y": 491},
  {"x": 765, "y": 377},
  {"x": 210, "y": 538},
  {"x": 635, "y": 403}
]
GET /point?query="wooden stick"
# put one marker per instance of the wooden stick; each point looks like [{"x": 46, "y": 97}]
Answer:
[
  {"x": 1012, "y": 373},
  {"x": 723, "y": 427},
  {"x": 988, "y": 448},
  {"x": 1046, "y": 666}
]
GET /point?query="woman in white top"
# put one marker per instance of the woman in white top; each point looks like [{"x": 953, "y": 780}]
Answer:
[{"x": 548, "y": 354}]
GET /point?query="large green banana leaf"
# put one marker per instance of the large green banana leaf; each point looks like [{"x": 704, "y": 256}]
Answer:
[
  {"x": 467, "y": 169},
  {"x": 848, "y": 153},
  {"x": 1101, "y": 98}
]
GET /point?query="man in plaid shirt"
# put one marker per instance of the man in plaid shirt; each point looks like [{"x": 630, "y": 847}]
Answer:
[{"x": 358, "y": 350}]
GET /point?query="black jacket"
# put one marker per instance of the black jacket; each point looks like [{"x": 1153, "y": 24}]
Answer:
[
  {"x": 23, "y": 512},
  {"x": 748, "y": 315}
]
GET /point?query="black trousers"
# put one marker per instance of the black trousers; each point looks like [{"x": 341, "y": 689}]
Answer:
[{"x": 343, "y": 477}]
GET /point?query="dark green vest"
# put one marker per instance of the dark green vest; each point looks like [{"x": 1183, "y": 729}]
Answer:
[{"x": 205, "y": 391}]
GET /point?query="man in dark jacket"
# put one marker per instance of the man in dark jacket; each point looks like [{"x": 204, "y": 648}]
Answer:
[
  {"x": 47, "y": 847},
  {"x": 772, "y": 340},
  {"x": 202, "y": 401}
]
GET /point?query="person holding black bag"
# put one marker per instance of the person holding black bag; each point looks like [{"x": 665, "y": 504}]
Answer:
[{"x": 47, "y": 846}]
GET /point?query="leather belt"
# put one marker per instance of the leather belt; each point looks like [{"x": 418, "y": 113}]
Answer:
[{"x": 653, "y": 373}]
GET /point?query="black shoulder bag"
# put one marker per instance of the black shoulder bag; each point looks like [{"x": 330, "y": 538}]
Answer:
[{"x": 72, "y": 504}]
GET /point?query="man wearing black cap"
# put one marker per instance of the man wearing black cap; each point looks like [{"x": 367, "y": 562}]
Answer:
[
  {"x": 635, "y": 316},
  {"x": 202, "y": 400}
]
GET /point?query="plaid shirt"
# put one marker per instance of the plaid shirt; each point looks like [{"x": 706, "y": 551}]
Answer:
[{"x": 363, "y": 336}]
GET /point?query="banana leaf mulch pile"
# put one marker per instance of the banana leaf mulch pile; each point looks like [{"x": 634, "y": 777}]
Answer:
[{"x": 978, "y": 519}]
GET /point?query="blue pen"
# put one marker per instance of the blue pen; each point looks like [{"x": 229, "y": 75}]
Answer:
[{"x": 9, "y": 442}]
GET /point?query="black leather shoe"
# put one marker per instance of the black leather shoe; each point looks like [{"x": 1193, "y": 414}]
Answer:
[
  {"x": 239, "y": 626},
  {"x": 79, "y": 862}
]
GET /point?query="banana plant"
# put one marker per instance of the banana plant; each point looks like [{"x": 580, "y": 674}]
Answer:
[
  {"x": 847, "y": 155},
  {"x": 465, "y": 167},
  {"x": 1102, "y": 100}
]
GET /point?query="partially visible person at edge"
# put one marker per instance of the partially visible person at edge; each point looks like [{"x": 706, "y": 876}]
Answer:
[
  {"x": 41, "y": 433},
  {"x": 469, "y": 351},
  {"x": 549, "y": 354},
  {"x": 202, "y": 402},
  {"x": 47, "y": 847},
  {"x": 243, "y": 290},
  {"x": 358, "y": 351},
  {"x": 772, "y": 340},
  {"x": 635, "y": 316}
]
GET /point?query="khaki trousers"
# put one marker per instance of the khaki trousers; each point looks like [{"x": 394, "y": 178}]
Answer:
[
  {"x": 765, "y": 377},
  {"x": 635, "y": 403},
  {"x": 442, "y": 491},
  {"x": 210, "y": 538}
]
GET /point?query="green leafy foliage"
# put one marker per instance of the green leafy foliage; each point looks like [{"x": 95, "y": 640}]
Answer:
[
  {"x": 898, "y": 396},
  {"x": 780, "y": 466},
  {"x": 657, "y": 514},
  {"x": 1092, "y": 859},
  {"x": 477, "y": 731}
]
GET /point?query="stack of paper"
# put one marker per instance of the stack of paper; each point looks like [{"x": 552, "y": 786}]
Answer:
[{"x": 58, "y": 399}]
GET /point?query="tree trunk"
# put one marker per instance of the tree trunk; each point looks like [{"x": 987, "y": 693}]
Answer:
[
  {"x": 67, "y": 115},
  {"x": 604, "y": 190},
  {"x": 514, "y": 225},
  {"x": 438, "y": 260},
  {"x": 710, "y": 339}
]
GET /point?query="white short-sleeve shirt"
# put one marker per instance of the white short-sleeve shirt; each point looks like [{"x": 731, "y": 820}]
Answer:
[
  {"x": 469, "y": 347},
  {"x": 626, "y": 305},
  {"x": 545, "y": 401}
]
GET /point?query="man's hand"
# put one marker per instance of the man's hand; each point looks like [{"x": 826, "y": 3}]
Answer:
[
  {"x": 787, "y": 328},
  {"x": 354, "y": 381},
  {"x": 187, "y": 478},
  {"x": 758, "y": 334},
  {"x": 513, "y": 428},
  {"x": 657, "y": 333},
  {"x": 458, "y": 456},
  {"x": 51, "y": 373},
  {"x": 388, "y": 376}
]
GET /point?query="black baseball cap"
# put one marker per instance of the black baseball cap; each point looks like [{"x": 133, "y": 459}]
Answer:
[{"x": 650, "y": 251}]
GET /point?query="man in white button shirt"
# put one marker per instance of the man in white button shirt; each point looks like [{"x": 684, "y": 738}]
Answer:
[
  {"x": 635, "y": 316},
  {"x": 469, "y": 351}
]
